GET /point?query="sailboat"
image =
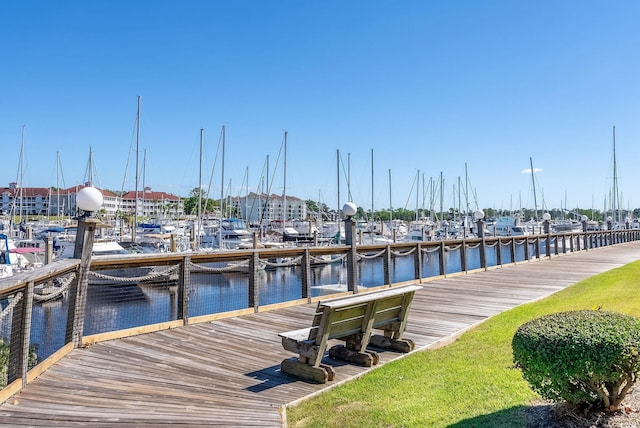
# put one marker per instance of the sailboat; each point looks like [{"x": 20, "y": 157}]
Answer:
[{"x": 615, "y": 209}]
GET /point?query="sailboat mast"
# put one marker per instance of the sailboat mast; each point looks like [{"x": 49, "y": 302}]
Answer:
[
  {"x": 135, "y": 209},
  {"x": 441, "y": 196},
  {"x": 371, "y": 185},
  {"x": 533, "y": 182},
  {"x": 20, "y": 176},
  {"x": 284, "y": 187},
  {"x": 614, "y": 196},
  {"x": 390, "y": 202},
  {"x": 57, "y": 187},
  {"x": 459, "y": 199},
  {"x": 338, "y": 176},
  {"x": 349, "y": 176},
  {"x": 220, "y": 243},
  {"x": 268, "y": 197},
  {"x": 466, "y": 189},
  {"x": 418, "y": 196},
  {"x": 199, "y": 222},
  {"x": 90, "y": 175},
  {"x": 144, "y": 176}
]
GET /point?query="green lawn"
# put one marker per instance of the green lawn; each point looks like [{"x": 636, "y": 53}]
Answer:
[{"x": 470, "y": 383}]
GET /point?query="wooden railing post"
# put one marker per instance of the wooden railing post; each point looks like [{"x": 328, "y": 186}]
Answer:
[
  {"x": 555, "y": 246},
  {"x": 526, "y": 248},
  {"x": 463, "y": 256},
  {"x": 387, "y": 266},
  {"x": 512, "y": 249},
  {"x": 352, "y": 259},
  {"x": 254, "y": 293},
  {"x": 306, "y": 274},
  {"x": 417, "y": 262},
  {"x": 441, "y": 263},
  {"x": 585, "y": 243},
  {"x": 78, "y": 289},
  {"x": 537, "y": 238},
  {"x": 483, "y": 254},
  {"x": 184, "y": 279},
  {"x": 20, "y": 336},
  {"x": 499, "y": 252}
]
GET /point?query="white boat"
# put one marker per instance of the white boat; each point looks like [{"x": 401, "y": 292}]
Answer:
[
  {"x": 100, "y": 248},
  {"x": 233, "y": 234},
  {"x": 6, "y": 267},
  {"x": 566, "y": 226},
  {"x": 13, "y": 259},
  {"x": 509, "y": 226}
]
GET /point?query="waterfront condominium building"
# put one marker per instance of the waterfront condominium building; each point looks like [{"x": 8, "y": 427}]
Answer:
[
  {"x": 42, "y": 201},
  {"x": 264, "y": 207}
]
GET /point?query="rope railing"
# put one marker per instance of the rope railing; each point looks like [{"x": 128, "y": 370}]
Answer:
[
  {"x": 55, "y": 291},
  {"x": 231, "y": 267},
  {"x": 284, "y": 263},
  {"x": 371, "y": 256},
  {"x": 152, "y": 275},
  {"x": 14, "y": 301},
  {"x": 402, "y": 254},
  {"x": 332, "y": 259}
]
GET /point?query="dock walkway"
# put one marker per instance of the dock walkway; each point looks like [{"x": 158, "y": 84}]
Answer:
[{"x": 226, "y": 373}]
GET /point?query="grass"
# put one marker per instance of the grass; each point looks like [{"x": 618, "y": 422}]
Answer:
[{"x": 470, "y": 383}]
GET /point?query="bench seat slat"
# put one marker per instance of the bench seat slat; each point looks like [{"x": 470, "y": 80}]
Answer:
[
  {"x": 299, "y": 335},
  {"x": 365, "y": 297}
]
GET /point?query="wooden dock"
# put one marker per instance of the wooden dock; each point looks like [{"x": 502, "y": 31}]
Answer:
[{"x": 226, "y": 373}]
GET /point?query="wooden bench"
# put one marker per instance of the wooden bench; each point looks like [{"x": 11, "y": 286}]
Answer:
[{"x": 350, "y": 319}]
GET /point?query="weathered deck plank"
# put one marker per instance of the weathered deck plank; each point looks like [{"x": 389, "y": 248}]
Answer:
[{"x": 226, "y": 373}]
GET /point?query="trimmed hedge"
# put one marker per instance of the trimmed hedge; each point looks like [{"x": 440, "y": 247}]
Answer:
[{"x": 581, "y": 357}]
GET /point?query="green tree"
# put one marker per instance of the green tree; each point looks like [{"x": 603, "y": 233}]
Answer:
[{"x": 191, "y": 203}]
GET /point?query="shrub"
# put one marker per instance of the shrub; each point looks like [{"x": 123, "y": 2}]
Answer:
[
  {"x": 582, "y": 357},
  {"x": 4, "y": 360}
]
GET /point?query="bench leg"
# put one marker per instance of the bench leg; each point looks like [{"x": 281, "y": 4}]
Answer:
[
  {"x": 341, "y": 352},
  {"x": 400, "y": 345},
  {"x": 295, "y": 367},
  {"x": 374, "y": 355}
]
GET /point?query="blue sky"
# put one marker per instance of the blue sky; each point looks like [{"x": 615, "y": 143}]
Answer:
[{"x": 427, "y": 86}]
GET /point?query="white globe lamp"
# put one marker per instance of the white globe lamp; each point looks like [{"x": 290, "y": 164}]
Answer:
[
  {"x": 479, "y": 215},
  {"x": 546, "y": 216},
  {"x": 89, "y": 199},
  {"x": 584, "y": 218},
  {"x": 349, "y": 209}
]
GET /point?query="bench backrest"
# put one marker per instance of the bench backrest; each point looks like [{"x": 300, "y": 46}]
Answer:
[{"x": 341, "y": 317}]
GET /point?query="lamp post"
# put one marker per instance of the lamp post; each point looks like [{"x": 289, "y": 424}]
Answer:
[
  {"x": 89, "y": 200},
  {"x": 584, "y": 219},
  {"x": 547, "y": 230},
  {"x": 349, "y": 210},
  {"x": 479, "y": 215},
  {"x": 609, "y": 223},
  {"x": 545, "y": 222}
]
